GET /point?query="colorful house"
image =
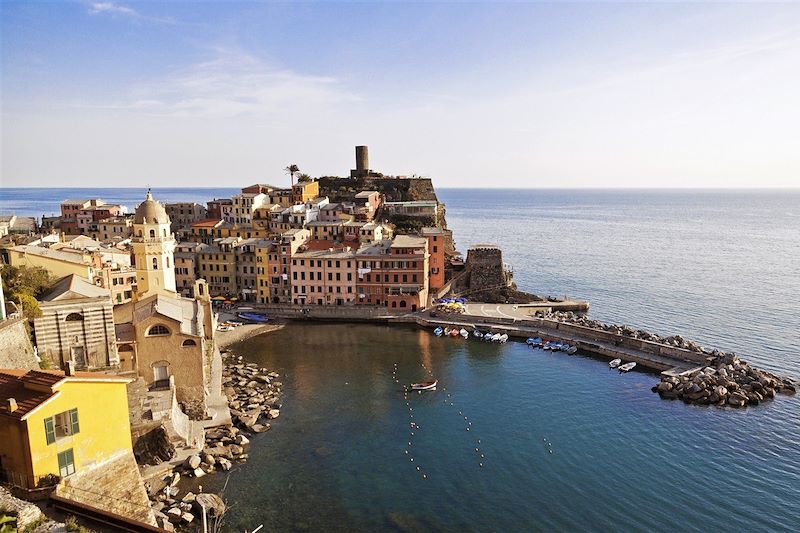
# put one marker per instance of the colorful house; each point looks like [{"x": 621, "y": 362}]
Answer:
[{"x": 71, "y": 428}]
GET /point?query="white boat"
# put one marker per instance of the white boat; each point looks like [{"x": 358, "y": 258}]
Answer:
[
  {"x": 446, "y": 332},
  {"x": 503, "y": 338},
  {"x": 425, "y": 385},
  {"x": 438, "y": 331},
  {"x": 627, "y": 366},
  {"x": 572, "y": 350},
  {"x": 224, "y": 328},
  {"x": 477, "y": 334},
  {"x": 487, "y": 337},
  {"x": 464, "y": 333},
  {"x": 614, "y": 363},
  {"x": 496, "y": 337}
]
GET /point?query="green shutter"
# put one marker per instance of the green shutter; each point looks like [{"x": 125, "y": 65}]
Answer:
[
  {"x": 49, "y": 430},
  {"x": 73, "y": 419}
]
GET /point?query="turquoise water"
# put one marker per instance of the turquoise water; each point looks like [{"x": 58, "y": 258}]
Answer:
[
  {"x": 623, "y": 460},
  {"x": 719, "y": 267}
]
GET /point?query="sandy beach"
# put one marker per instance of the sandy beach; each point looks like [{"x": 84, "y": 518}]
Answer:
[{"x": 240, "y": 333}]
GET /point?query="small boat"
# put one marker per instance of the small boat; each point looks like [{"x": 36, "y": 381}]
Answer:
[
  {"x": 503, "y": 338},
  {"x": 627, "y": 366},
  {"x": 254, "y": 317},
  {"x": 496, "y": 337},
  {"x": 438, "y": 331},
  {"x": 530, "y": 341},
  {"x": 446, "y": 332},
  {"x": 487, "y": 337},
  {"x": 425, "y": 385},
  {"x": 614, "y": 363},
  {"x": 547, "y": 346},
  {"x": 224, "y": 328},
  {"x": 454, "y": 332},
  {"x": 477, "y": 334},
  {"x": 572, "y": 350},
  {"x": 464, "y": 333}
]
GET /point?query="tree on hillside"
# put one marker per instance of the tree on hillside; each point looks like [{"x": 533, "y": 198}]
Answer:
[
  {"x": 291, "y": 169},
  {"x": 25, "y": 285},
  {"x": 303, "y": 178}
]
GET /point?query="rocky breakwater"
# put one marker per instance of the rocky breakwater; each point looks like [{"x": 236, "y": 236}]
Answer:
[
  {"x": 253, "y": 393},
  {"x": 676, "y": 341},
  {"x": 254, "y": 398},
  {"x": 725, "y": 381}
]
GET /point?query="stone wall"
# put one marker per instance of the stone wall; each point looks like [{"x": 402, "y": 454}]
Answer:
[
  {"x": 26, "y": 513},
  {"x": 114, "y": 486},
  {"x": 16, "y": 350}
]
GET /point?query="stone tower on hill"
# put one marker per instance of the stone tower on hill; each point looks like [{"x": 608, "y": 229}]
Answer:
[{"x": 153, "y": 245}]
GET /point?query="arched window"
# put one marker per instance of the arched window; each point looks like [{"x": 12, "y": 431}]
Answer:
[
  {"x": 188, "y": 342},
  {"x": 394, "y": 304},
  {"x": 157, "y": 330},
  {"x": 125, "y": 348},
  {"x": 140, "y": 233},
  {"x": 74, "y": 317},
  {"x": 155, "y": 263},
  {"x": 152, "y": 234},
  {"x": 402, "y": 303}
]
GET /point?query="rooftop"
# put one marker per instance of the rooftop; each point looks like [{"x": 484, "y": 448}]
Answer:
[
  {"x": 365, "y": 194},
  {"x": 68, "y": 257},
  {"x": 32, "y": 388},
  {"x": 407, "y": 241},
  {"x": 75, "y": 287}
]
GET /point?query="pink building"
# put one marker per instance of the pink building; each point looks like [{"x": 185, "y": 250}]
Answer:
[{"x": 324, "y": 275}]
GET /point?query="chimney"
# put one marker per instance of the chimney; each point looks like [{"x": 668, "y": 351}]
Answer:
[
  {"x": 11, "y": 405},
  {"x": 69, "y": 368},
  {"x": 362, "y": 158}
]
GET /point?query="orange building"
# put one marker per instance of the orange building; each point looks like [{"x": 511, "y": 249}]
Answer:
[{"x": 435, "y": 237}]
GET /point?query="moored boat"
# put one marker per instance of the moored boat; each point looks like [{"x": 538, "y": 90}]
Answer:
[
  {"x": 254, "y": 317},
  {"x": 503, "y": 338},
  {"x": 454, "y": 332},
  {"x": 477, "y": 334},
  {"x": 464, "y": 333},
  {"x": 572, "y": 350},
  {"x": 627, "y": 367},
  {"x": 614, "y": 363},
  {"x": 425, "y": 385},
  {"x": 438, "y": 331}
]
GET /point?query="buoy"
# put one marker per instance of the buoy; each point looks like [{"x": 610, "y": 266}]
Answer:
[
  {"x": 551, "y": 451},
  {"x": 465, "y": 418},
  {"x": 482, "y": 456},
  {"x": 409, "y": 443},
  {"x": 470, "y": 423},
  {"x": 468, "y": 429},
  {"x": 425, "y": 476},
  {"x": 417, "y": 469},
  {"x": 480, "y": 465},
  {"x": 412, "y": 459},
  {"x": 477, "y": 449},
  {"x": 406, "y": 452}
]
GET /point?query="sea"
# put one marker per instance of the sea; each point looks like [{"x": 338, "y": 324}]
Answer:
[{"x": 518, "y": 439}]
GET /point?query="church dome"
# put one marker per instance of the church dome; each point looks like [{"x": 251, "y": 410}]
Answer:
[{"x": 150, "y": 212}]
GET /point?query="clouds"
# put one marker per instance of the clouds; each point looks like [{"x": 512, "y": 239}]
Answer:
[
  {"x": 97, "y": 8},
  {"x": 233, "y": 83}
]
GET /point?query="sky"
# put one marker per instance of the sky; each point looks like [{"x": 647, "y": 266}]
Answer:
[{"x": 130, "y": 94}]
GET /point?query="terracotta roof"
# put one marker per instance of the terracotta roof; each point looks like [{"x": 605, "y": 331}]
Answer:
[
  {"x": 208, "y": 223},
  {"x": 31, "y": 388}
]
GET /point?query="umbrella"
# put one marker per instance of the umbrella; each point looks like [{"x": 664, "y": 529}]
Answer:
[{"x": 218, "y": 298}]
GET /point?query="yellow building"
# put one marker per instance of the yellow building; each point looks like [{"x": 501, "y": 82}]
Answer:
[
  {"x": 304, "y": 191},
  {"x": 59, "y": 263},
  {"x": 71, "y": 428},
  {"x": 54, "y": 423},
  {"x": 153, "y": 247}
]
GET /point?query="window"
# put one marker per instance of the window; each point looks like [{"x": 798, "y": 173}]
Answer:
[
  {"x": 155, "y": 263},
  {"x": 74, "y": 317},
  {"x": 66, "y": 463},
  {"x": 61, "y": 425},
  {"x": 188, "y": 342},
  {"x": 157, "y": 330}
]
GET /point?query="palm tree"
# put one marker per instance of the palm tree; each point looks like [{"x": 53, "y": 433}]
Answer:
[
  {"x": 291, "y": 169},
  {"x": 303, "y": 177}
]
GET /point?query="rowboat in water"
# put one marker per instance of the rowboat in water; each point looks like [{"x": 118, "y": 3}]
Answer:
[
  {"x": 425, "y": 385},
  {"x": 627, "y": 366},
  {"x": 614, "y": 363}
]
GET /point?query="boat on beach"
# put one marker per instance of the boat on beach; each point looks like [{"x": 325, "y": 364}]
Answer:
[
  {"x": 425, "y": 385},
  {"x": 627, "y": 367},
  {"x": 614, "y": 363},
  {"x": 254, "y": 317}
]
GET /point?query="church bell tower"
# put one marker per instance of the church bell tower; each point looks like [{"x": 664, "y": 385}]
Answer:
[{"x": 153, "y": 246}]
